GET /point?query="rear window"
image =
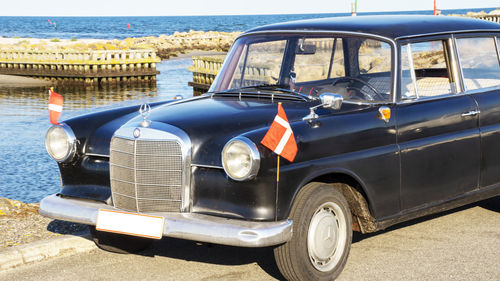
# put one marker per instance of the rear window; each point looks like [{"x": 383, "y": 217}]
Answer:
[{"x": 479, "y": 62}]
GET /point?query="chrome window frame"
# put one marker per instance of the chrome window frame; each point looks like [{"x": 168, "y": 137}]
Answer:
[
  {"x": 456, "y": 66},
  {"x": 455, "y": 32},
  {"x": 412, "y": 69},
  {"x": 390, "y": 41},
  {"x": 455, "y": 60},
  {"x": 498, "y": 48}
]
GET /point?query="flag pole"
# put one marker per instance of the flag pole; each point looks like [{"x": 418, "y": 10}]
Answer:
[
  {"x": 277, "y": 187},
  {"x": 277, "y": 182},
  {"x": 278, "y": 173}
]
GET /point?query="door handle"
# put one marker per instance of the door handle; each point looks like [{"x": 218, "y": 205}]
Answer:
[{"x": 471, "y": 113}]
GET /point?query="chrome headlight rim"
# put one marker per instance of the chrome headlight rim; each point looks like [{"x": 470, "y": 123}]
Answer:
[
  {"x": 254, "y": 158},
  {"x": 70, "y": 140}
]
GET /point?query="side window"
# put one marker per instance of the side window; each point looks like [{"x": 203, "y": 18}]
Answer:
[
  {"x": 425, "y": 71},
  {"x": 479, "y": 62}
]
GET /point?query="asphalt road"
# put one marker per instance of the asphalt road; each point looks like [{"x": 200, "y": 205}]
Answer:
[{"x": 462, "y": 244}]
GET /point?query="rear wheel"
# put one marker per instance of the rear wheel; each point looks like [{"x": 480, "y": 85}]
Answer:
[
  {"x": 119, "y": 243},
  {"x": 322, "y": 235}
]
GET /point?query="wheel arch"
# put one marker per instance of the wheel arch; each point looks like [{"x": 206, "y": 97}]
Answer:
[{"x": 353, "y": 189}]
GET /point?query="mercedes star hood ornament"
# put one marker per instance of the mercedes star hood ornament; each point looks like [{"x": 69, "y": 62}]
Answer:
[{"x": 145, "y": 110}]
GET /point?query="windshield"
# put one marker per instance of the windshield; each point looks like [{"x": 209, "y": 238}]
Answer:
[{"x": 358, "y": 68}]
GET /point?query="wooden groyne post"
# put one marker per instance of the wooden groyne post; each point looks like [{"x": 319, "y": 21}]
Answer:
[
  {"x": 204, "y": 69},
  {"x": 85, "y": 68}
]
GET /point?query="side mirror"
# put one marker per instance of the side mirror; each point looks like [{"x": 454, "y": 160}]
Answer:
[
  {"x": 328, "y": 100},
  {"x": 332, "y": 101}
]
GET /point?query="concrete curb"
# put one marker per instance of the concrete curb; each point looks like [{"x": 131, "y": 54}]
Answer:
[{"x": 40, "y": 250}]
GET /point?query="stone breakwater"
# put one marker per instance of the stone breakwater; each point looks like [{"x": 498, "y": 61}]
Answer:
[
  {"x": 91, "y": 62},
  {"x": 165, "y": 46},
  {"x": 493, "y": 16}
]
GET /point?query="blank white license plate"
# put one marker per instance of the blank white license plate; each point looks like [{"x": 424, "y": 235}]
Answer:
[{"x": 131, "y": 224}]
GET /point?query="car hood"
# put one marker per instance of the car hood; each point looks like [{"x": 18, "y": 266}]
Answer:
[{"x": 211, "y": 122}]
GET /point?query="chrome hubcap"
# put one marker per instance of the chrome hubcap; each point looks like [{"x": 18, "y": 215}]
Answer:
[{"x": 326, "y": 236}]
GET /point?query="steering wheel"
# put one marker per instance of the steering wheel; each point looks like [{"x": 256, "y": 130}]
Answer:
[{"x": 368, "y": 85}]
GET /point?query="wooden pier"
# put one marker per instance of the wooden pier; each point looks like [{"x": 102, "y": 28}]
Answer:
[
  {"x": 204, "y": 69},
  {"x": 86, "y": 68}
]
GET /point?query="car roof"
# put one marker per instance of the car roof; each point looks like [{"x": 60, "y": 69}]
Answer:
[{"x": 389, "y": 26}]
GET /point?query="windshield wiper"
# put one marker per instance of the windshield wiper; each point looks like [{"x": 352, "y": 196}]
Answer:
[
  {"x": 271, "y": 87},
  {"x": 261, "y": 86}
]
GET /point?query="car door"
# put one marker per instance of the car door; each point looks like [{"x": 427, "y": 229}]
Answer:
[
  {"x": 437, "y": 133},
  {"x": 480, "y": 69}
]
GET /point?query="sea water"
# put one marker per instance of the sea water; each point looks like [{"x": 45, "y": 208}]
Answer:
[
  {"x": 123, "y": 27},
  {"x": 27, "y": 172}
]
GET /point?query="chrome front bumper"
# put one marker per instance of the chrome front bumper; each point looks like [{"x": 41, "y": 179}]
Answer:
[{"x": 190, "y": 226}]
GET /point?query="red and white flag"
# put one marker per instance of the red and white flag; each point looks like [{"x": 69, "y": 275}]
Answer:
[
  {"x": 279, "y": 138},
  {"x": 56, "y": 102}
]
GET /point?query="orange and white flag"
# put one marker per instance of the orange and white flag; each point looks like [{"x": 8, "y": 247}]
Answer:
[
  {"x": 56, "y": 102},
  {"x": 279, "y": 138}
]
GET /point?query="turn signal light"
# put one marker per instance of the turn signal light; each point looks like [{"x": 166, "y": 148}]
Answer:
[{"x": 384, "y": 113}]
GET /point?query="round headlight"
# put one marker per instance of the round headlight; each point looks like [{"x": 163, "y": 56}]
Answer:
[
  {"x": 60, "y": 143},
  {"x": 241, "y": 159}
]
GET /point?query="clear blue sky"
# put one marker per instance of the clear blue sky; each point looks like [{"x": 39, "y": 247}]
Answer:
[{"x": 220, "y": 7}]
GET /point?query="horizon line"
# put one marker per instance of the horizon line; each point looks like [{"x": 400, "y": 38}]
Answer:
[{"x": 256, "y": 14}]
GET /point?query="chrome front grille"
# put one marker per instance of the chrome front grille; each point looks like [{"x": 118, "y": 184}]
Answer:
[{"x": 146, "y": 175}]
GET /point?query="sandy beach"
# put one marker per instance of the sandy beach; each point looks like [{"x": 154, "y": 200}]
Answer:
[{"x": 19, "y": 81}]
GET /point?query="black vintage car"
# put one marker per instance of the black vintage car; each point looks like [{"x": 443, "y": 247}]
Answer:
[{"x": 394, "y": 117}]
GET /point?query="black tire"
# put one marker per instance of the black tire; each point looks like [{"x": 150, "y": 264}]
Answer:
[
  {"x": 319, "y": 211},
  {"x": 119, "y": 243}
]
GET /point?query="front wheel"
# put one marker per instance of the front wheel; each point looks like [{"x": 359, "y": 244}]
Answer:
[{"x": 322, "y": 235}]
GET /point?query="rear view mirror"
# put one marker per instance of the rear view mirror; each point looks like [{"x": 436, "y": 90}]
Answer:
[{"x": 306, "y": 49}]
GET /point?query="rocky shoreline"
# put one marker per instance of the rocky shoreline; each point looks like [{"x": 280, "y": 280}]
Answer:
[
  {"x": 20, "y": 223},
  {"x": 166, "y": 46}
]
